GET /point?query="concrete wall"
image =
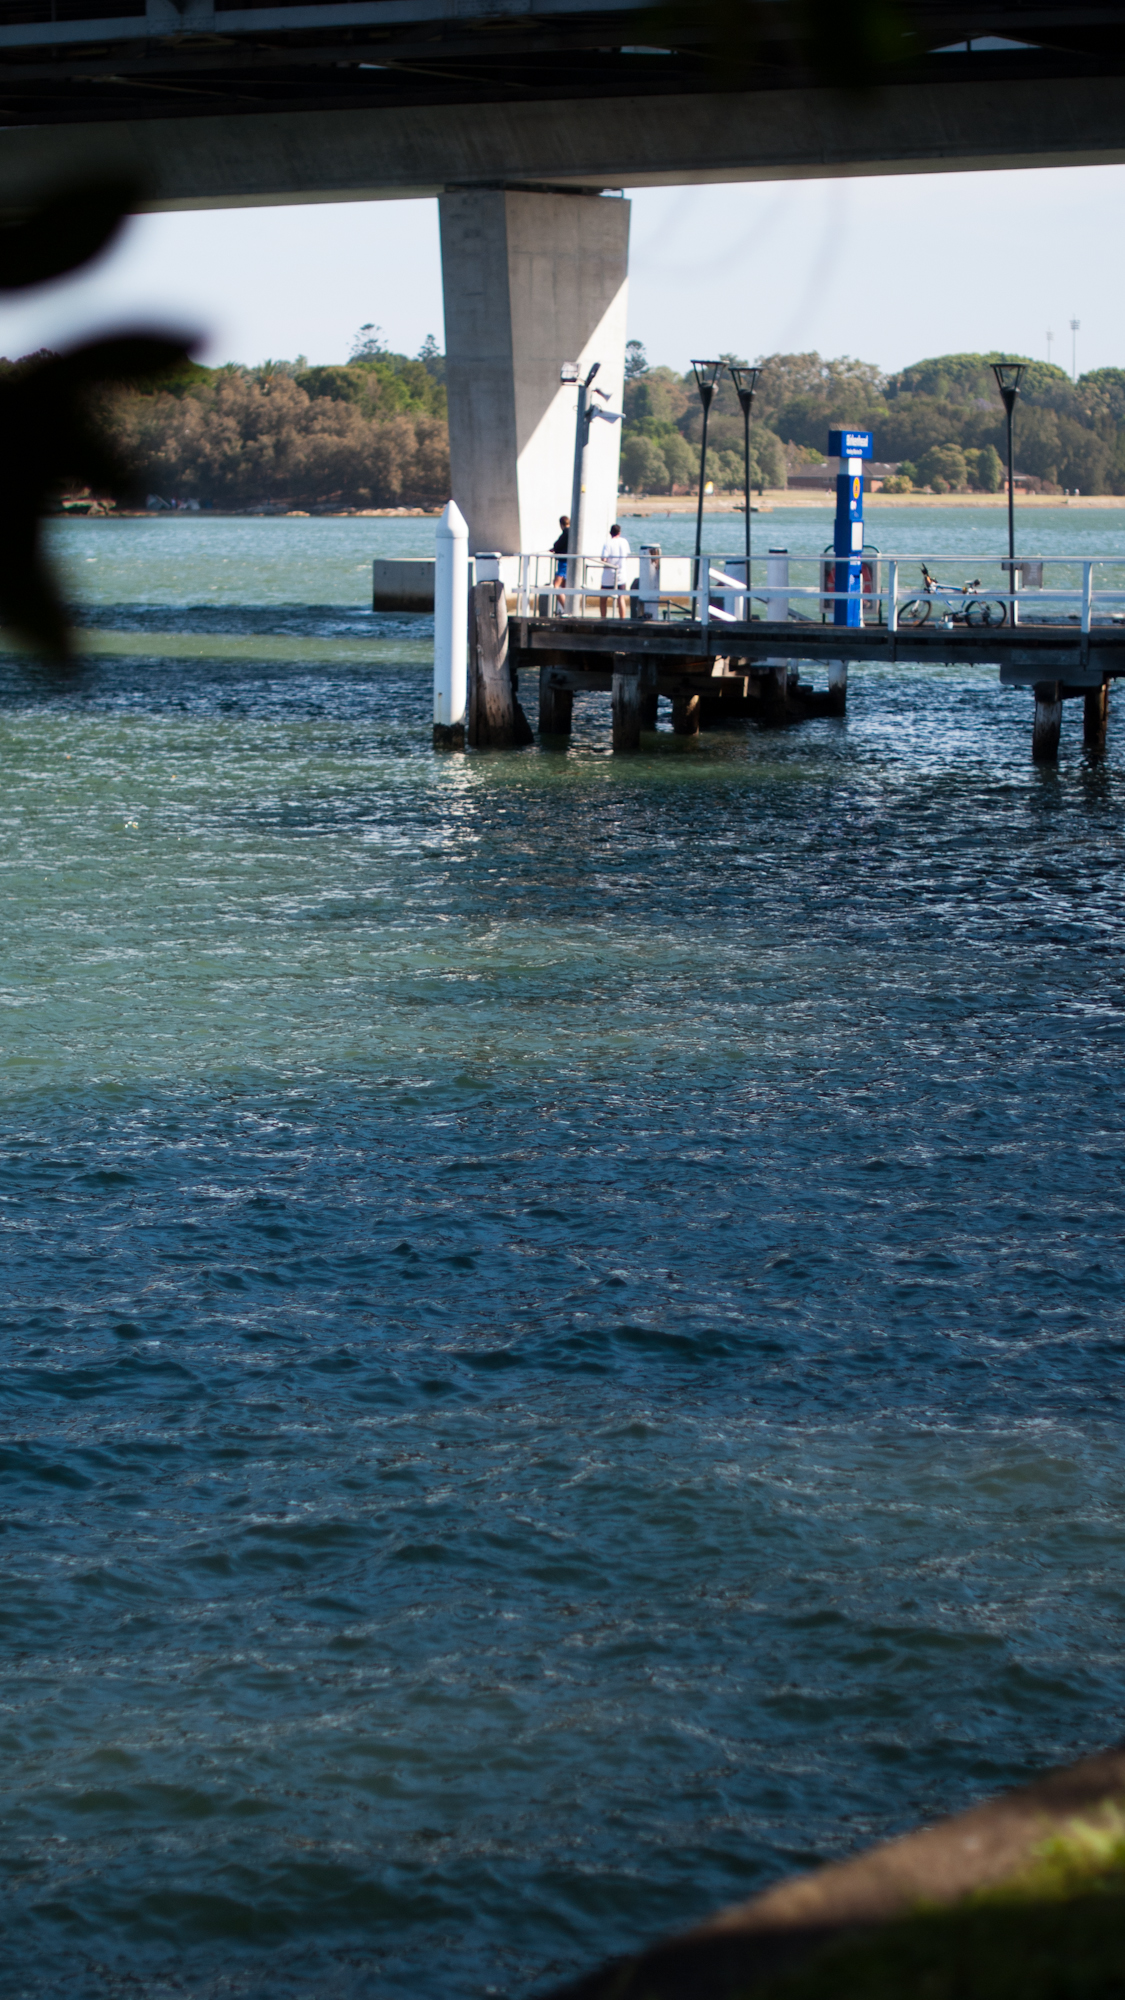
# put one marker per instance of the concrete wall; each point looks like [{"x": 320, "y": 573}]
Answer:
[
  {"x": 402, "y": 583},
  {"x": 531, "y": 281}
]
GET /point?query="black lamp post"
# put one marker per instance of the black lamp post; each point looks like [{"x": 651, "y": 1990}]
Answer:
[
  {"x": 745, "y": 381},
  {"x": 707, "y": 374},
  {"x": 570, "y": 373},
  {"x": 1008, "y": 375}
]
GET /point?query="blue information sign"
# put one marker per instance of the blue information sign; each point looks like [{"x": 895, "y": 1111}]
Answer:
[
  {"x": 850, "y": 444},
  {"x": 847, "y": 540}
]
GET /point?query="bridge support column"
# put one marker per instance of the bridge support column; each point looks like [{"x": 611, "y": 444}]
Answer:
[
  {"x": 531, "y": 281},
  {"x": 1095, "y": 715},
  {"x": 1047, "y": 724}
]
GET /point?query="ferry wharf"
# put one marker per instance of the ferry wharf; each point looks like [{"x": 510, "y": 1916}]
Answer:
[
  {"x": 724, "y": 643},
  {"x": 753, "y": 671}
]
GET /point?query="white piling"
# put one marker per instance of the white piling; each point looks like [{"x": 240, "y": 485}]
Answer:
[
  {"x": 777, "y": 577},
  {"x": 451, "y": 628}
]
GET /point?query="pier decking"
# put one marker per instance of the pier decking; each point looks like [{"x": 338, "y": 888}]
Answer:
[
  {"x": 716, "y": 664},
  {"x": 752, "y": 671}
]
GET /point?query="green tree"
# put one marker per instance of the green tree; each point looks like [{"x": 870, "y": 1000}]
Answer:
[
  {"x": 945, "y": 462},
  {"x": 432, "y": 358},
  {"x": 636, "y": 361},
  {"x": 659, "y": 397},
  {"x": 986, "y": 469},
  {"x": 644, "y": 468},
  {"x": 682, "y": 462},
  {"x": 368, "y": 344}
]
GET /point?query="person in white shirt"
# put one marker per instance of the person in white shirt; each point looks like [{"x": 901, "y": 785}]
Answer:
[{"x": 615, "y": 550}]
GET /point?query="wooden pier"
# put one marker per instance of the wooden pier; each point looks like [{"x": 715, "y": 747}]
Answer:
[{"x": 716, "y": 672}]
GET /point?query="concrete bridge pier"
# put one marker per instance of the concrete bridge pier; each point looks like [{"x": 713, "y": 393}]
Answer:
[{"x": 531, "y": 281}]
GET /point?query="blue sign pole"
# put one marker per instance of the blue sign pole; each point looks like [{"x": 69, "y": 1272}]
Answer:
[{"x": 851, "y": 448}]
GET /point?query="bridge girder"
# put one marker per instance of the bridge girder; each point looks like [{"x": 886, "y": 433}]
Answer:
[{"x": 328, "y": 100}]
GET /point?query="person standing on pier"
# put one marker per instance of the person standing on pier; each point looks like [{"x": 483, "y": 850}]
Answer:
[
  {"x": 615, "y": 551},
  {"x": 559, "y": 549}
]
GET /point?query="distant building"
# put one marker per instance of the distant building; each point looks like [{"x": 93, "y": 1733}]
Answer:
[{"x": 821, "y": 478}]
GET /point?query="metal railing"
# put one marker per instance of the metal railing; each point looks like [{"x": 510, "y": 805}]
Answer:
[{"x": 718, "y": 593}]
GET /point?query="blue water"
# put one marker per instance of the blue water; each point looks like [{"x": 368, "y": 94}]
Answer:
[{"x": 563, "y": 1315}]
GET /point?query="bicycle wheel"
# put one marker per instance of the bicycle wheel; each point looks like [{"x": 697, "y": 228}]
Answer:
[
  {"x": 985, "y": 611},
  {"x": 915, "y": 611}
]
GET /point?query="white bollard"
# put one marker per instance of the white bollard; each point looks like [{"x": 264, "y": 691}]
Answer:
[
  {"x": 777, "y": 577},
  {"x": 451, "y": 628}
]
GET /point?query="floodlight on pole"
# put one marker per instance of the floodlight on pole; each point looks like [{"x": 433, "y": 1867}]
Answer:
[
  {"x": 1075, "y": 328},
  {"x": 745, "y": 381},
  {"x": 1008, "y": 375},
  {"x": 707, "y": 375}
]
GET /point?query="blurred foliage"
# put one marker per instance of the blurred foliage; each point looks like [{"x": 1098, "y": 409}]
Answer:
[
  {"x": 1055, "y": 1931},
  {"x": 48, "y": 402}
]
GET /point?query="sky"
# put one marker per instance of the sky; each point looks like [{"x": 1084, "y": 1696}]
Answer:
[{"x": 889, "y": 269}]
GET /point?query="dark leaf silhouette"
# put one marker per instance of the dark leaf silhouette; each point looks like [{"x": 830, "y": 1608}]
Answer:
[
  {"x": 50, "y": 434},
  {"x": 63, "y": 232}
]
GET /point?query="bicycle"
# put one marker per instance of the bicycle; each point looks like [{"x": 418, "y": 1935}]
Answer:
[{"x": 972, "y": 611}]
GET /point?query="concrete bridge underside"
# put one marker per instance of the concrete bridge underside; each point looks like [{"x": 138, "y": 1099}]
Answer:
[
  {"x": 519, "y": 114},
  {"x": 360, "y": 154}
]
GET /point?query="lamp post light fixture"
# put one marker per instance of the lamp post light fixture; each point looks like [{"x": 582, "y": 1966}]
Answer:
[
  {"x": 1008, "y": 376},
  {"x": 1075, "y": 329},
  {"x": 707, "y": 375},
  {"x": 745, "y": 382},
  {"x": 570, "y": 372}
]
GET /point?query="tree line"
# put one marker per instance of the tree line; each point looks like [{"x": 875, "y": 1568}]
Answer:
[
  {"x": 372, "y": 431},
  {"x": 369, "y": 432},
  {"x": 940, "y": 421}
]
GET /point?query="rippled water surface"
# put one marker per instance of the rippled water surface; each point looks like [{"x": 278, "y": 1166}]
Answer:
[{"x": 563, "y": 1316}]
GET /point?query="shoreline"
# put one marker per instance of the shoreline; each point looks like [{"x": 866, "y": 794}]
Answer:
[{"x": 675, "y": 506}]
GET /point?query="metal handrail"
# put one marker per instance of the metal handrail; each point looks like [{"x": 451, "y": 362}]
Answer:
[{"x": 698, "y": 595}]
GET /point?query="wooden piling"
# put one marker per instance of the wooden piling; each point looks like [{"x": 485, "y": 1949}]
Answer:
[
  {"x": 496, "y": 720},
  {"x": 626, "y": 706},
  {"x": 1095, "y": 715},
  {"x": 556, "y": 706},
  {"x": 775, "y": 708},
  {"x": 1047, "y": 724},
  {"x": 648, "y": 676},
  {"x": 685, "y": 714}
]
